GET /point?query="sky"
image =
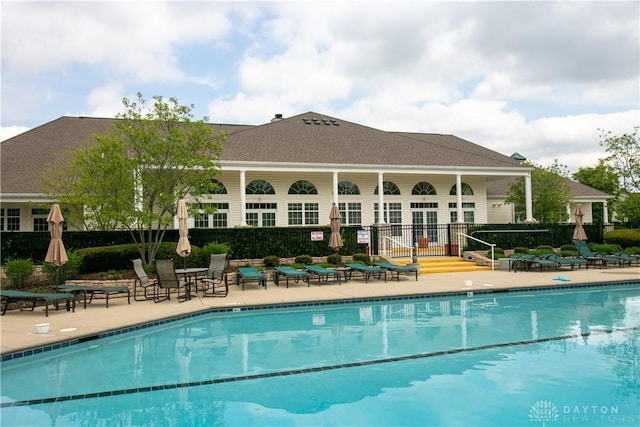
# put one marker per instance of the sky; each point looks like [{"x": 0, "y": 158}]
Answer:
[{"x": 540, "y": 78}]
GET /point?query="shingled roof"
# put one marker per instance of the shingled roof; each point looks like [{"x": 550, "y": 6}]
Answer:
[
  {"x": 308, "y": 138},
  {"x": 315, "y": 138}
]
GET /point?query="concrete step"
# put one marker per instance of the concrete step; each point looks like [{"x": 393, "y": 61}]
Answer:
[{"x": 444, "y": 265}]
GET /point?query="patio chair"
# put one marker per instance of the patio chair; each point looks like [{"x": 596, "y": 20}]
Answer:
[
  {"x": 215, "y": 284},
  {"x": 595, "y": 258},
  {"x": 143, "y": 281},
  {"x": 323, "y": 273},
  {"x": 9, "y": 296},
  {"x": 289, "y": 272},
  {"x": 572, "y": 262},
  {"x": 367, "y": 271},
  {"x": 250, "y": 274},
  {"x": 396, "y": 269},
  {"x": 168, "y": 280}
]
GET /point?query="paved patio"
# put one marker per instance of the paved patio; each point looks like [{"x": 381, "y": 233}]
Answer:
[{"x": 19, "y": 331}]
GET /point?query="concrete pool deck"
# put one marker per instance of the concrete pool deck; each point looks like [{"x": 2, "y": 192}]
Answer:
[{"x": 18, "y": 328}]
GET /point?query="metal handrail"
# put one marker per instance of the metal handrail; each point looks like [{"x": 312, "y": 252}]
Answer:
[{"x": 492, "y": 245}]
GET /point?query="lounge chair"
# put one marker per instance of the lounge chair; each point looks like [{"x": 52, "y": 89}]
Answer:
[
  {"x": 367, "y": 271},
  {"x": 395, "y": 269},
  {"x": 9, "y": 296},
  {"x": 168, "y": 280},
  {"x": 94, "y": 290},
  {"x": 250, "y": 274},
  {"x": 595, "y": 258},
  {"x": 323, "y": 273},
  {"x": 290, "y": 272},
  {"x": 626, "y": 258},
  {"x": 527, "y": 262},
  {"x": 215, "y": 284},
  {"x": 143, "y": 281},
  {"x": 567, "y": 261}
]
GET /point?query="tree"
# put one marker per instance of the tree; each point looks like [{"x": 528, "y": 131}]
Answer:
[
  {"x": 132, "y": 178},
  {"x": 550, "y": 193},
  {"x": 624, "y": 159},
  {"x": 604, "y": 178}
]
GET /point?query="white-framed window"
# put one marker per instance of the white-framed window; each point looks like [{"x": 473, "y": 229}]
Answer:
[
  {"x": 211, "y": 215},
  {"x": 392, "y": 215},
  {"x": 39, "y": 217},
  {"x": 10, "y": 219},
  {"x": 351, "y": 213},
  {"x": 261, "y": 214},
  {"x": 468, "y": 212},
  {"x": 303, "y": 214}
]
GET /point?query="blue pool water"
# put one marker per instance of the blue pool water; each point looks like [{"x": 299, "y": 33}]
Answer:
[{"x": 556, "y": 358}]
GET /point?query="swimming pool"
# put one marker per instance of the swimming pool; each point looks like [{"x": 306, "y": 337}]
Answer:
[{"x": 554, "y": 357}]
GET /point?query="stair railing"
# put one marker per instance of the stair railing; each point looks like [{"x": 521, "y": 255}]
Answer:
[{"x": 491, "y": 245}]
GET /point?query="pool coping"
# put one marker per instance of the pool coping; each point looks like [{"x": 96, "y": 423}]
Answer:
[{"x": 278, "y": 305}]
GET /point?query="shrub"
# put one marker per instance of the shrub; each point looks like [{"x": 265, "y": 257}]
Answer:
[
  {"x": 335, "y": 259},
  {"x": 498, "y": 251},
  {"x": 520, "y": 250},
  {"x": 271, "y": 261},
  {"x": 19, "y": 271},
  {"x": 633, "y": 250},
  {"x": 304, "y": 259},
  {"x": 363, "y": 258},
  {"x": 112, "y": 275},
  {"x": 298, "y": 266},
  {"x": 605, "y": 249},
  {"x": 212, "y": 248},
  {"x": 545, "y": 249},
  {"x": 66, "y": 271},
  {"x": 625, "y": 237},
  {"x": 572, "y": 253},
  {"x": 569, "y": 247}
]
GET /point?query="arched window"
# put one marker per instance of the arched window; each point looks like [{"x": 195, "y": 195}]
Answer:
[
  {"x": 213, "y": 187},
  {"x": 423, "y": 189},
  {"x": 389, "y": 189},
  {"x": 259, "y": 186},
  {"x": 466, "y": 190},
  {"x": 347, "y": 188},
  {"x": 303, "y": 187}
]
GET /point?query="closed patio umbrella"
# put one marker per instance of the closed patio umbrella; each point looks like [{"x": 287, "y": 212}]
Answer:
[
  {"x": 56, "y": 254},
  {"x": 579, "y": 233},
  {"x": 184, "y": 247},
  {"x": 335, "y": 241}
]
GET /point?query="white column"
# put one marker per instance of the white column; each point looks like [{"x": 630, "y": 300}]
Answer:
[
  {"x": 335, "y": 187},
  {"x": 605, "y": 207},
  {"x": 243, "y": 199},
  {"x": 527, "y": 198},
  {"x": 569, "y": 212},
  {"x": 381, "y": 198},
  {"x": 459, "y": 198}
]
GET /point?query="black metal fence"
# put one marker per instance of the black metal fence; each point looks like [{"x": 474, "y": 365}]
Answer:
[{"x": 257, "y": 243}]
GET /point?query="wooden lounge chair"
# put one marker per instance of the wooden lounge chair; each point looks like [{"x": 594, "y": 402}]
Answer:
[
  {"x": 367, "y": 271},
  {"x": 168, "y": 280},
  {"x": 323, "y": 274},
  {"x": 250, "y": 274},
  {"x": 566, "y": 261},
  {"x": 94, "y": 290},
  {"x": 9, "y": 296},
  {"x": 290, "y": 272},
  {"x": 215, "y": 284},
  {"x": 144, "y": 282},
  {"x": 395, "y": 269},
  {"x": 595, "y": 258}
]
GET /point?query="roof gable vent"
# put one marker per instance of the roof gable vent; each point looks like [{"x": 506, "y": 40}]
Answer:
[
  {"x": 316, "y": 121},
  {"x": 307, "y": 121}
]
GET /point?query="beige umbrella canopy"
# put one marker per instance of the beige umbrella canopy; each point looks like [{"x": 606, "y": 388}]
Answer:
[
  {"x": 56, "y": 254},
  {"x": 579, "y": 233},
  {"x": 335, "y": 241},
  {"x": 184, "y": 247}
]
